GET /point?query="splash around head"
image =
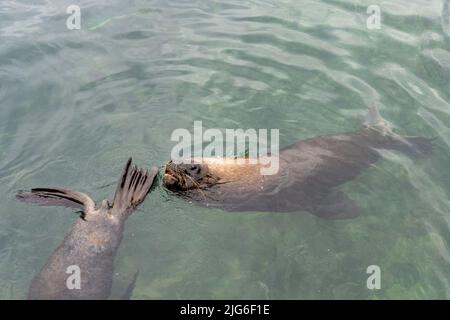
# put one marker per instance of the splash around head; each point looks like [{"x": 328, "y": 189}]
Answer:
[{"x": 187, "y": 175}]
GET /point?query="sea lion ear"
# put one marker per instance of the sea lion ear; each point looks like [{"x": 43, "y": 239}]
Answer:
[{"x": 132, "y": 188}]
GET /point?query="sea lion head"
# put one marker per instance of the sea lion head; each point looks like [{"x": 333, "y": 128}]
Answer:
[{"x": 186, "y": 176}]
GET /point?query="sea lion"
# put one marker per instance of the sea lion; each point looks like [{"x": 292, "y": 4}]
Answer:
[
  {"x": 92, "y": 243},
  {"x": 309, "y": 171}
]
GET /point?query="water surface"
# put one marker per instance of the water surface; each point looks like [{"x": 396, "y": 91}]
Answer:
[{"x": 76, "y": 103}]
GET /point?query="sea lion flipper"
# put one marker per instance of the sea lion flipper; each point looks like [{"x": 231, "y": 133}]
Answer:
[
  {"x": 57, "y": 197},
  {"x": 130, "y": 288},
  {"x": 132, "y": 187},
  {"x": 335, "y": 205},
  {"x": 415, "y": 147}
]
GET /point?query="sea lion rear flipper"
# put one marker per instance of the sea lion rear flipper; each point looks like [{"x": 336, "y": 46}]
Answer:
[
  {"x": 336, "y": 205},
  {"x": 57, "y": 197},
  {"x": 132, "y": 188},
  {"x": 415, "y": 147}
]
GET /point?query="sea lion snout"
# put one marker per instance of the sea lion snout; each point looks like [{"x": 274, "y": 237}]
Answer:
[
  {"x": 184, "y": 176},
  {"x": 169, "y": 180}
]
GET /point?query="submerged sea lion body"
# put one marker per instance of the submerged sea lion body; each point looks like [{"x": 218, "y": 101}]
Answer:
[
  {"x": 309, "y": 171},
  {"x": 92, "y": 243}
]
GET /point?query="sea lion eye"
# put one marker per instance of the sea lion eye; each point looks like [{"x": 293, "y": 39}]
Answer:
[{"x": 193, "y": 169}]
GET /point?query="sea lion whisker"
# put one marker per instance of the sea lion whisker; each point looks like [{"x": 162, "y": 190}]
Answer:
[
  {"x": 225, "y": 182},
  {"x": 197, "y": 185}
]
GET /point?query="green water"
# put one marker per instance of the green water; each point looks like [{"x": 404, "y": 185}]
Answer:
[{"x": 76, "y": 103}]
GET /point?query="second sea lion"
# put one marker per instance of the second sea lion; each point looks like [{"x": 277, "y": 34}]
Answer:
[
  {"x": 92, "y": 243},
  {"x": 309, "y": 172}
]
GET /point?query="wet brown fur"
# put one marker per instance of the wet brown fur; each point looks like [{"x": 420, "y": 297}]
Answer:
[{"x": 309, "y": 171}]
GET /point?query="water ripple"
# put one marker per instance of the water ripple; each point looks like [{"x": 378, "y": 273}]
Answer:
[{"x": 77, "y": 103}]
